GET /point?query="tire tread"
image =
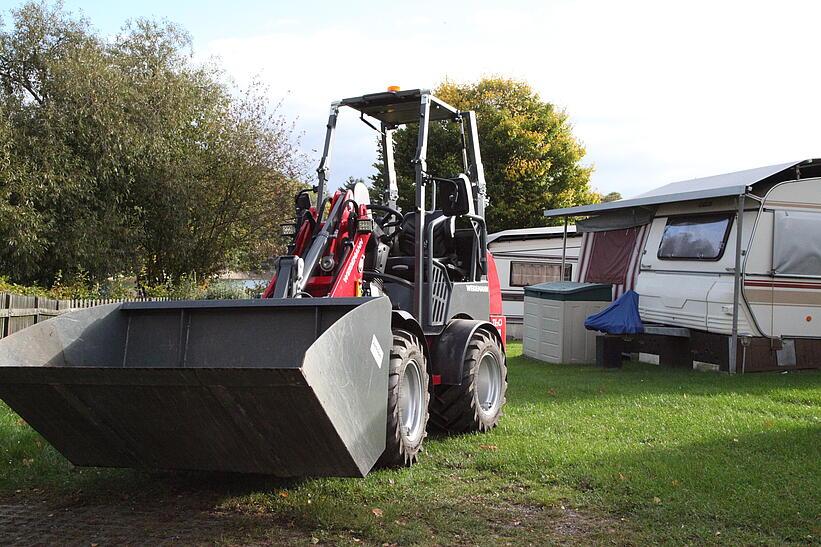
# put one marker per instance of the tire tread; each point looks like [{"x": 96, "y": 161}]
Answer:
[
  {"x": 397, "y": 453},
  {"x": 453, "y": 407}
]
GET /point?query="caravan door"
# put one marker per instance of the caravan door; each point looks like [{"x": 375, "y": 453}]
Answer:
[{"x": 783, "y": 269}]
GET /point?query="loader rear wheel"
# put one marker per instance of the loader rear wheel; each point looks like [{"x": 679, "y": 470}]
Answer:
[
  {"x": 408, "y": 399},
  {"x": 476, "y": 404}
]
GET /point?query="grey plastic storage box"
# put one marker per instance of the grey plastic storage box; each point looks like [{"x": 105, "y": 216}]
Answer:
[{"x": 554, "y": 317}]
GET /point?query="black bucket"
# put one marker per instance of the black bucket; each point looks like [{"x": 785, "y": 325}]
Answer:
[{"x": 292, "y": 387}]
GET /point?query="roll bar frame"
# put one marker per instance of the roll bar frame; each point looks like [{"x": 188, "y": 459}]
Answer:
[{"x": 393, "y": 110}]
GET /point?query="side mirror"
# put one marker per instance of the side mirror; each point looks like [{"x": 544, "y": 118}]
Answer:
[{"x": 455, "y": 196}]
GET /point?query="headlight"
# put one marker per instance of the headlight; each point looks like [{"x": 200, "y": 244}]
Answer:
[
  {"x": 364, "y": 225},
  {"x": 287, "y": 229}
]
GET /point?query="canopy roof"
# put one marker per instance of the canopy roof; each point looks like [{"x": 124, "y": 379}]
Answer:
[
  {"x": 400, "y": 107},
  {"x": 729, "y": 184}
]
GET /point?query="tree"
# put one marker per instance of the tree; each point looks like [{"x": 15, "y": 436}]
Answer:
[
  {"x": 123, "y": 155},
  {"x": 612, "y": 196},
  {"x": 532, "y": 160}
]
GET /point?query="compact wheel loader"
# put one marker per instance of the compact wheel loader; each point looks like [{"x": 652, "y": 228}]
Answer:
[{"x": 377, "y": 325}]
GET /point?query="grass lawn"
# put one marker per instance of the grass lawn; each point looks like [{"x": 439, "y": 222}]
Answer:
[{"x": 583, "y": 455}]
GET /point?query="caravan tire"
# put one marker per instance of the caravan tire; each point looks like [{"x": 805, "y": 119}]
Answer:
[
  {"x": 408, "y": 398},
  {"x": 476, "y": 404}
]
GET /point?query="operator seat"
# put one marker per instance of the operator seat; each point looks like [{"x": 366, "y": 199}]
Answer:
[
  {"x": 442, "y": 234},
  {"x": 443, "y": 238}
]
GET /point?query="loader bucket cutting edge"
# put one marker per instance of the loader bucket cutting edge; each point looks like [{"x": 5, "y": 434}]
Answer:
[{"x": 291, "y": 387}]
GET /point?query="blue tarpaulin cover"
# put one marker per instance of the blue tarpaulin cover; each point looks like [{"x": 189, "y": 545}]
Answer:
[{"x": 620, "y": 317}]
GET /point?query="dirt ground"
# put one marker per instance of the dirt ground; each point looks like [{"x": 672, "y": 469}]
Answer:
[
  {"x": 186, "y": 514},
  {"x": 181, "y": 514}
]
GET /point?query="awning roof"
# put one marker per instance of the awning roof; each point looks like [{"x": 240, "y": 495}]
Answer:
[{"x": 728, "y": 184}]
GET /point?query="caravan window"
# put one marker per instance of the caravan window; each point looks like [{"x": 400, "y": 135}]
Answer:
[
  {"x": 523, "y": 274},
  {"x": 797, "y": 245},
  {"x": 695, "y": 237}
]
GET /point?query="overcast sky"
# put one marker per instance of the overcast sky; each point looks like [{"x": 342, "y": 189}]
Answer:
[{"x": 657, "y": 91}]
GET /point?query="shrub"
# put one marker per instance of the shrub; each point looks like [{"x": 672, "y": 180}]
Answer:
[{"x": 222, "y": 290}]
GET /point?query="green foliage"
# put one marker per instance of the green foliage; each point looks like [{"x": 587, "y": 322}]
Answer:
[
  {"x": 125, "y": 156},
  {"x": 81, "y": 286},
  {"x": 189, "y": 287},
  {"x": 612, "y": 196},
  {"x": 8, "y": 287},
  {"x": 78, "y": 287},
  {"x": 224, "y": 290},
  {"x": 532, "y": 160},
  {"x": 184, "y": 287}
]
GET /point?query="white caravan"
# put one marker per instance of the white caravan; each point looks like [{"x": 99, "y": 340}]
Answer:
[
  {"x": 529, "y": 256},
  {"x": 735, "y": 259}
]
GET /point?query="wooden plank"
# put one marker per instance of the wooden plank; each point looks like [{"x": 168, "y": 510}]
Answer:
[
  {"x": 4, "y": 304},
  {"x": 17, "y": 322}
]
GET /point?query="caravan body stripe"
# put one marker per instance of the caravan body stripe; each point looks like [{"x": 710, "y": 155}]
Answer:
[{"x": 782, "y": 284}]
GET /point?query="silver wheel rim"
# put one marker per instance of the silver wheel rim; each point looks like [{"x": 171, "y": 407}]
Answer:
[
  {"x": 489, "y": 384},
  {"x": 411, "y": 402}
]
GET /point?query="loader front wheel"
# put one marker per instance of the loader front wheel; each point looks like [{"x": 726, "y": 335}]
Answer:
[
  {"x": 408, "y": 398},
  {"x": 476, "y": 404}
]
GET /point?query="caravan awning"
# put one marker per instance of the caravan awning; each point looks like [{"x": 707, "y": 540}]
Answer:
[{"x": 729, "y": 184}]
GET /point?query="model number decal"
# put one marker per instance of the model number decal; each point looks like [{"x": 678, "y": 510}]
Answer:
[
  {"x": 376, "y": 351},
  {"x": 476, "y": 288}
]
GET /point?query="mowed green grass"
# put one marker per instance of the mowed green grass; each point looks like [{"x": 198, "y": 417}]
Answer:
[{"x": 583, "y": 455}]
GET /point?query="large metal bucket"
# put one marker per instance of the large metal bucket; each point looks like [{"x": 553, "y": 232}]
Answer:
[{"x": 294, "y": 387}]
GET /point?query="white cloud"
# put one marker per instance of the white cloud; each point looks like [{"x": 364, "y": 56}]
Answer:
[{"x": 657, "y": 92}]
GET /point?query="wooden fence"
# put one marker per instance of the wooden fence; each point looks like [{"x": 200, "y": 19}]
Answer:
[{"x": 18, "y": 311}]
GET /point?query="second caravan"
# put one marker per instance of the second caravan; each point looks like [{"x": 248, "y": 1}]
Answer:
[{"x": 529, "y": 256}]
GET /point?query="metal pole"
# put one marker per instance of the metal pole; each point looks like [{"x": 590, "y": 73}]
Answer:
[
  {"x": 465, "y": 164},
  {"x": 739, "y": 223},
  {"x": 477, "y": 170},
  {"x": 392, "y": 189},
  {"x": 324, "y": 163},
  {"x": 421, "y": 166},
  {"x": 476, "y": 174},
  {"x": 564, "y": 250}
]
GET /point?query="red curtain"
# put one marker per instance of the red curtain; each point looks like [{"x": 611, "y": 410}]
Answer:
[{"x": 610, "y": 256}]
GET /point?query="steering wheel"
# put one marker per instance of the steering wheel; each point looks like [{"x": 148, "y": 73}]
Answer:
[{"x": 390, "y": 213}]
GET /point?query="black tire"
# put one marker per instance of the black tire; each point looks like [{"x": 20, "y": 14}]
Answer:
[
  {"x": 402, "y": 446},
  {"x": 457, "y": 409}
]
